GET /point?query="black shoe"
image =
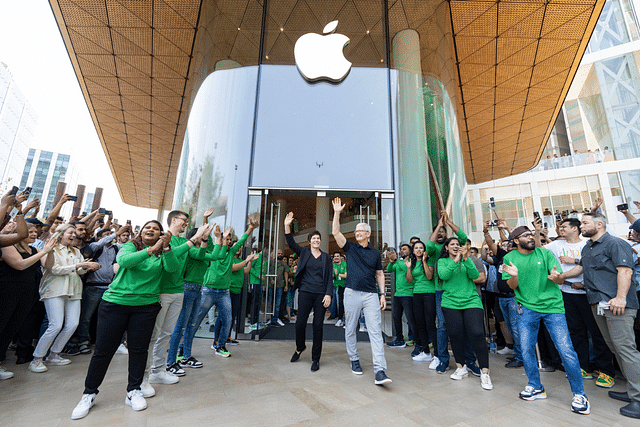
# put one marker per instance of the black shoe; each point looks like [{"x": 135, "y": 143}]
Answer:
[
  {"x": 546, "y": 368},
  {"x": 315, "y": 365},
  {"x": 631, "y": 410},
  {"x": 296, "y": 355},
  {"x": 70, "y": 350},
  {"x": 23, "y": 360},
  {"x": 355, "y": 367},
  {"x": 514, "y": 364},
  {"x": 620, "y": 395},
  {"x": 381, "y": 378},
  {"x": 84, "y": 349}
]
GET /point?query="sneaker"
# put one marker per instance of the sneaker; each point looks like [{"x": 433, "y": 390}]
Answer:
[
  {"x": 423, "y": 357},
  {"x": 315, "y": 365},
  {"x": 596, "y": 373},
  {"x": 57, "y": 361},
  {"x": 280, "y": 322},
  {"x": 176, "y": 370},
  {"x": 191, "y": 362},
  {"x": 442, "y": 368},
  {"x": 505, "y": 350},
  {"x": 82, "y": 408},
  {"x": 135, "y": 399},
  {"x": 434, "y": 363},
  {"x": 460, "y": 373},
  {"x": 604, "y": 380},
  {"x": 122, "y": 349},
  {"x": 86, "y": 349},
  {"x": 231, "y": 341},
  {"x": 37, "y": 366},
  {"x": 222, "y": 351},
  {"x": 530, "y": 393},
  {"x": 416, "y": 350},
  {"x": 355, "y": 367},
  {"x": 546, "y": 368},
  {"x": 485, "y": 381},
  {"x": 586, "y": 375},
  {"x": 70, "y": 350},
  {"x": 396, "y": 344},
  {"x": 381, "y": 378},
  {"x": 146, "y": 388},
  {"x": 514, "y": 364},
  {"x": 473, "y": 368},
  {"x": 410, "y": 343},
  {"x": 580, "y": 404},
  {"x": 162, "y": 377},
  {"x": 363, "y": 328},
  {"x": 180, "y": 353},
  {"x": 4, "y": 374},
  {"x": 339, "y": 323}
]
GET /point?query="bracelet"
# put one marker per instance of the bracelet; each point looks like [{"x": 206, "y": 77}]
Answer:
[
  {"x": 192, "y": 241},
  {"x": 167, "y": 249}
]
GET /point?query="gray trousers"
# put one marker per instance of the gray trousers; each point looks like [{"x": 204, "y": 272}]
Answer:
[
  {"x": 618, "y": 334},
  {"x": 368, "y": 303}
]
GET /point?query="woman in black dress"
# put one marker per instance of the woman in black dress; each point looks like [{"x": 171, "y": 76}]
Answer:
[{"x": 314, "y": 282}]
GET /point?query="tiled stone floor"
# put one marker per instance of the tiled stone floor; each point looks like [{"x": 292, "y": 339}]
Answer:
[{"x": 258, "y": 386}]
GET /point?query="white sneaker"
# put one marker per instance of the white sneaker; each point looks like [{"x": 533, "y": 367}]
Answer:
[
  {"x": 339, "y": 323},
  {"x": 146, "y": 388},
  {"x": 135, "y": 399},
  {"x": 460, "y": 373},
  {"x": 57, "y": 361},
  {"x": 280, "y": 322},
  {"x": 4, "y": 374},
  {"x": 363, "y": 328},
  {"x": 485, "y": 381},
  {"x": 122, "y": 349},
  {"x": 505, "y": 350},
  {"x": 37, "y": 366},
  {"x": 163, "y": 377},
  {"x": 82, "y": 408},
  {"x": 423, "y": 357},
  {"x": 434, "y": 363}
]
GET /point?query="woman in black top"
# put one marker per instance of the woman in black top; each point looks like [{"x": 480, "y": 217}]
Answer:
[{"x": 314, "y": 281}]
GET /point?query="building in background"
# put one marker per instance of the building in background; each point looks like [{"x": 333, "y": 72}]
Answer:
[
  {"x": 42, "y": 172},
  {"x": 17, "y": 126},
  {"x": 88, "y": 204},
  {"x": 594, "y": 149}
]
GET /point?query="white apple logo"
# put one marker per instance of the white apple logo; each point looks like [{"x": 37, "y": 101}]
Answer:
[{"x": 320, "y": 57}]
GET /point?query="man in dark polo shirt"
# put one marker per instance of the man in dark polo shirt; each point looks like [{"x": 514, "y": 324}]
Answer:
[
  {"x": 607, "y": 263},
  {"x": 364, "y": 292}
]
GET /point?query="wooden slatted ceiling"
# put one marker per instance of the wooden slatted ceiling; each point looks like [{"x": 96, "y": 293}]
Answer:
[{"x": 140, "y": 63}]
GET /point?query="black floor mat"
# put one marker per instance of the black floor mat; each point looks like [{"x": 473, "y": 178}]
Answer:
[{"x": 288, "y": 332}]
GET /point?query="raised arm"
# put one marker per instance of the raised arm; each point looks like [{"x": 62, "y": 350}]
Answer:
[
  {"x": 55, "y": 212},
  {"x": 629, "y": 216},
  {"x": 503, "y": 230},
  {"x": 338, "y": 207},
  {"x": 21, "y": 231},
  {"x": 434, "y": 235},
  {"x": 12, "y": 257},
  {"x": 409, "y": 274},
  {"x": 488, "y": 239}
]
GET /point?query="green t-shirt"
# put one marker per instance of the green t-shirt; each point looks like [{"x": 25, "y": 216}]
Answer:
[
  {"x": 237, "y": 278},
  {"x": 173, "y": 282},
  {"x": 403, "y": 288},
  {"x": 422, "y": 285},
  {"x": 218, "y": 274},
  {"x": 457, "y": 278},
  {"x": 138, "y": 279},
  {"x": 433, "y": 251},
  {"x": 339, "y": 269},
  {"x": 194, "y": 268},
  {"x": 535, "y": 291},
  {"x": 256, "y": 271}
]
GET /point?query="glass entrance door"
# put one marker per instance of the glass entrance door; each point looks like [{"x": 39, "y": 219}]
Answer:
[{"x": 272, "y": 220}]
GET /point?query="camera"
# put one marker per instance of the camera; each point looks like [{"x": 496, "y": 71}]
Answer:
[
  {"x": 493, "y": 223},
  {"x": 623, "y": 207},
  {"x": 102, "y": 211},
  {"x": 14, "y": 191},
  {"x": 536, "y": 215},
  {"x": 73, "y": 198},
  {"x": 27, "y": 190},
  {"x": 492, "y": 202}
]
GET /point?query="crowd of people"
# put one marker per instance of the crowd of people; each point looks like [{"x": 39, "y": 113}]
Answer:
[{"x": 566, "y": 303}]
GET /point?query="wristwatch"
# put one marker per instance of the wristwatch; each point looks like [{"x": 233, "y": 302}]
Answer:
[{"x": 576, "y": 261}]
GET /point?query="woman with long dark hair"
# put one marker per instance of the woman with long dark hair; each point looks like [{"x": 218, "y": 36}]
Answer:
[
  {"x": 314, "y": 282},
  {"x": 130, "y": 304},
  {"x": 462, "y": 308}
]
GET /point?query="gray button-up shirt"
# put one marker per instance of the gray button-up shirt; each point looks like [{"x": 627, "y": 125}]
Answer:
[{"x": 599, "y": 261}]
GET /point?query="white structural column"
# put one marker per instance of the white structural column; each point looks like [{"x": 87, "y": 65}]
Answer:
[
  {"x": 323, "y": 211},
  {"x": 282, "y": 212},
  {"x": 406, "y": 51}
]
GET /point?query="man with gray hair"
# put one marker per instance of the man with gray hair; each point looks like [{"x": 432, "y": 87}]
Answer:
[
  {"x": 607, "y": 263},
  {"x": 364, "y": 291}
]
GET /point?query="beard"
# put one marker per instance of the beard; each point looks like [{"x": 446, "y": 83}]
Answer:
[
  {"x": 529, "y": 245},
  {"x": 589, "y": 233}
]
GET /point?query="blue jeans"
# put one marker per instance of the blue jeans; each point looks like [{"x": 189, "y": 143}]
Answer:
[
  {"x": 222, "y": 300},
  {"x": 443, "y": 337},
  {"x": 510, "y": 314},
  {"x": 333, "y": 308},
  {"x": 276, "y": 308},
  {"x": 190, "y": 306},
  {"x": 91, "y": 297},
  {"x": 556, "y": 324}
]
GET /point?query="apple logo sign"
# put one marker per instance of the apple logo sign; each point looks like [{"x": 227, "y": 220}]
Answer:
[{"x": 320, "y": 57}]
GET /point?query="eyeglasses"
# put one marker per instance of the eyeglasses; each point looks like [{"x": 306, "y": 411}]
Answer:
[
  {"x": 183, "y": 218},
  {"x": 525, "y": 235},
  {"x": 361, "y": 231}
]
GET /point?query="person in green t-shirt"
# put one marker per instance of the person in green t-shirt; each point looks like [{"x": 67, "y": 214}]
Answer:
[
  {"x": 534, "y": 274},
  {"x": 239, "y": 269},
  {"x": 462, "y": 308},
  {"x": 403, "y": 297},
  {"x": 339, "y": 276},
  {"x": 256, "y": 279}
]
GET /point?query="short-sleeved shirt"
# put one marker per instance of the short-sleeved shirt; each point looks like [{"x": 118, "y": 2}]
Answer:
[
  {"x": 599, "y": 262},
  {"x": 403, "y": 289},
  {"x": 571, "y": 250},
  {"x": 362, "y": 266},
  {"x": 337, "y": 270},
  {"x": 535, "y": 291}
]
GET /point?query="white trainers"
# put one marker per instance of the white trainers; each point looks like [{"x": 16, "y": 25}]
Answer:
[
  {"x": 280, "y": 322},
  {"x": 135, "y": 399},
  {"x": 57, "y": 361},
  {"x": 4, "y": 374},
  {"x": 485, "y": 381},
  {"x": 423, "y": 357},
  {"x": 37, "y": 366},
  {"x": 339, "y": 323},
  {"x": 505, "y": 350},
  {"x": 460, "y": 373},
  {"x": 82, "y": 409},
  {"x": 434, "y": 363},
  {"x": 363, "y": 328},
  {"x": 146, "y": 388},
  {"x": 122, "y": 349},
  {"x": 162, "y": 377}
]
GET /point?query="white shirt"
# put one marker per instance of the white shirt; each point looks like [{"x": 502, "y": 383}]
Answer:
[
  {"x": 62, "y": 279},
  {"x": 572, "y": 250}
]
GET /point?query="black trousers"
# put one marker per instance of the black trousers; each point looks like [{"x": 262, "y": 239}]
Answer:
[
  {"x": 470, "y": 322},
  {"x": 256, "y": 300},
  {"x": 30, "y": 329},
  {"x": 113, "y": 321},
  {"x": 306, "y": 302},
  {"x": 15, "y": 304},
  {"x": 341, "y": 302},
  {"x": 402, "y": 305},
  {"x": 580, "y": 322},
  {"x": 424, "y": 312}
]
